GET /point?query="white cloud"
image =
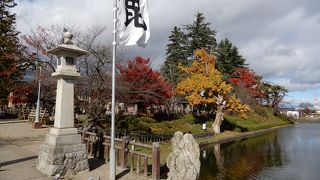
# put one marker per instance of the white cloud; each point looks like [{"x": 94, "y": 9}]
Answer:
[
  {"x": 297, "y": 101},
  {"x": 280, "y": 39},
  {"x": 293, "y": 86},
  {"x": 84, "y": 13}
]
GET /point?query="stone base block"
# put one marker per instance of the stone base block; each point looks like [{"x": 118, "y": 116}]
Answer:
[
  {"x": 62, "y": 140},
  {"x": 62, "y": 154},
  {"x": 56, "y": 131}
]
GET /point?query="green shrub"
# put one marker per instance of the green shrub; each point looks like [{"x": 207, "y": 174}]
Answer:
[
  {"x": 237, "y": 129},
  {"x": 82, "y": 119},
  {"x": 146, "y": 119},
  {"x": 189, "y": 118},
  {"x": 133, "y": 123}
]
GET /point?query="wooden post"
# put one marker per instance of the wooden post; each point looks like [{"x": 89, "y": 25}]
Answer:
[
  {"x": 124, "y": 152},
  {"x": 145, "y": 171},
  {"x": 107, "y": 153},
  {"x": 95, "y": 143},
  {"x": 91, "y": 144},
  {"x": 156, "y": 161},
  {"x": 116, "y": 156},
  {"x": 138, "y": 164},
  {"x": 83, "y": 136},
  {"x": 100, "y": 146},
  {"x": 132, "y": 161},
  {"x": 88, "y": 144}
]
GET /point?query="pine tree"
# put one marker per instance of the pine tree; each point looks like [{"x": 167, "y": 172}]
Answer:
[
  {"x": 10, "y": 49},
  {"x": 229, "y": 57},
  {"x": 176, "y": 52},
  {"x": 200, "y": 35}
]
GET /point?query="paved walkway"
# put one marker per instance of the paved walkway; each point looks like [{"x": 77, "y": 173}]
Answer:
[
  {"x": 19, "y": 145},
  {"x": 18, "y": 151}
]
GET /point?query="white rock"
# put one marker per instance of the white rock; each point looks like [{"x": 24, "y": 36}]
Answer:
[{"x": 184, "y": 161}]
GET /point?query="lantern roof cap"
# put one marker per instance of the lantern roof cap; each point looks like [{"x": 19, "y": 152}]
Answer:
[{"x": 67, "y": 47}]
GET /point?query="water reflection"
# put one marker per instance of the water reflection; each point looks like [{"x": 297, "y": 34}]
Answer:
[
  {"x": 240, "y": 159},
  {"x": 289, "y": 153}
]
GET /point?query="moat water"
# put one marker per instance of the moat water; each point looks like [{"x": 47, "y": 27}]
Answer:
[{"x": 289, "y": 153}]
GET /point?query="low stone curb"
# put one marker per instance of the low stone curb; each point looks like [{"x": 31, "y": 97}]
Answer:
[
  {"x": 244, "y": 135},
  {"x": 308, "y": 121},
  {"x": 14, "y": 121}
]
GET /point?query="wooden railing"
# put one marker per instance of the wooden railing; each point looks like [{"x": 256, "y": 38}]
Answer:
[
  {"x": 43, "y": 115},
  {"x": 99, "y": 145},
  {"x": 149, "y": 137},
  {"x": 23, "y": 114},
  {"x": 144, "y": 137}
]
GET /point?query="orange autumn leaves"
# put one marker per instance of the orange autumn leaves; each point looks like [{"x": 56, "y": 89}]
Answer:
[{"x": 204, "y": 83}]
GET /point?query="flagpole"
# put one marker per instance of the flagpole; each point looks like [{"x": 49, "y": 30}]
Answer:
[{"x": 114, "y": 53}]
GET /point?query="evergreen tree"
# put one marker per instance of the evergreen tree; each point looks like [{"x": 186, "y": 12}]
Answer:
[
  {"x": 10, "y": 49},
  {"x": 200, "y": 35},
  {"x": 176, "y": 53},
  {"x": 228, "y": 57}
]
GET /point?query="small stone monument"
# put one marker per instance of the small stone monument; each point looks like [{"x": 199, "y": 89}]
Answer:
[
  {"x": 10, "y": 100},
  {"x": 62, "y": 151},
  {"x": 184, "y": 161}
]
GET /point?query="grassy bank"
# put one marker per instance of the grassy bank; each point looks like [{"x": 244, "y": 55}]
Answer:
[
  {"x": 232, "y": 127},
  {"x": 263, "y": 119},
  {"x": 255, "y": 121}
]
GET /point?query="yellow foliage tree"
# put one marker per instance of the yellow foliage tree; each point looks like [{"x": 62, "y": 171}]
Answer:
[{"x": 204, "y": 86}]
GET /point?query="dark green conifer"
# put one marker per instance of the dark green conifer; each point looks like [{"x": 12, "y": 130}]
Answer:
[
  {"x": 228, "y": 57},
  {"x": 200, "y": 35},
  {"x": 176, "y": 52}
]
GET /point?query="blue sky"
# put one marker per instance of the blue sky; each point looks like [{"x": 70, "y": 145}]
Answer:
[{"x": 279, "y": 39}]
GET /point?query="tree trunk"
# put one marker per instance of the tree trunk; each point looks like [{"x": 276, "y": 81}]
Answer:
[
  {"x": 218, "y": 120},
  {"x": 219, "y": 114}
]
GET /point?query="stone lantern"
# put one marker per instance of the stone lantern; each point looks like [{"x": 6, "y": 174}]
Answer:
[{"x": 62, "y": 151}]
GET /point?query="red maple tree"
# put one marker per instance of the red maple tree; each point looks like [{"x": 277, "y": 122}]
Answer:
[
  {"x": 244, "y": 78},
  {"x": 145, "y": 86},
  {"x": 24, "y": 93}
]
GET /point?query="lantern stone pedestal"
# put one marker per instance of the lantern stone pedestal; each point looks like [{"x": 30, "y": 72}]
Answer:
[{"x": 62, "y": 151}]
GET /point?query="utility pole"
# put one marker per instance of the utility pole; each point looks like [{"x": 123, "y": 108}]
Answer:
[
  {"x": 37, "y": 124},
  {"x": 114, "y": 54}
]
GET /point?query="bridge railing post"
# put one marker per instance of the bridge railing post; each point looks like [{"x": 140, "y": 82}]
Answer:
[{"x": 156, "y": 161}]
